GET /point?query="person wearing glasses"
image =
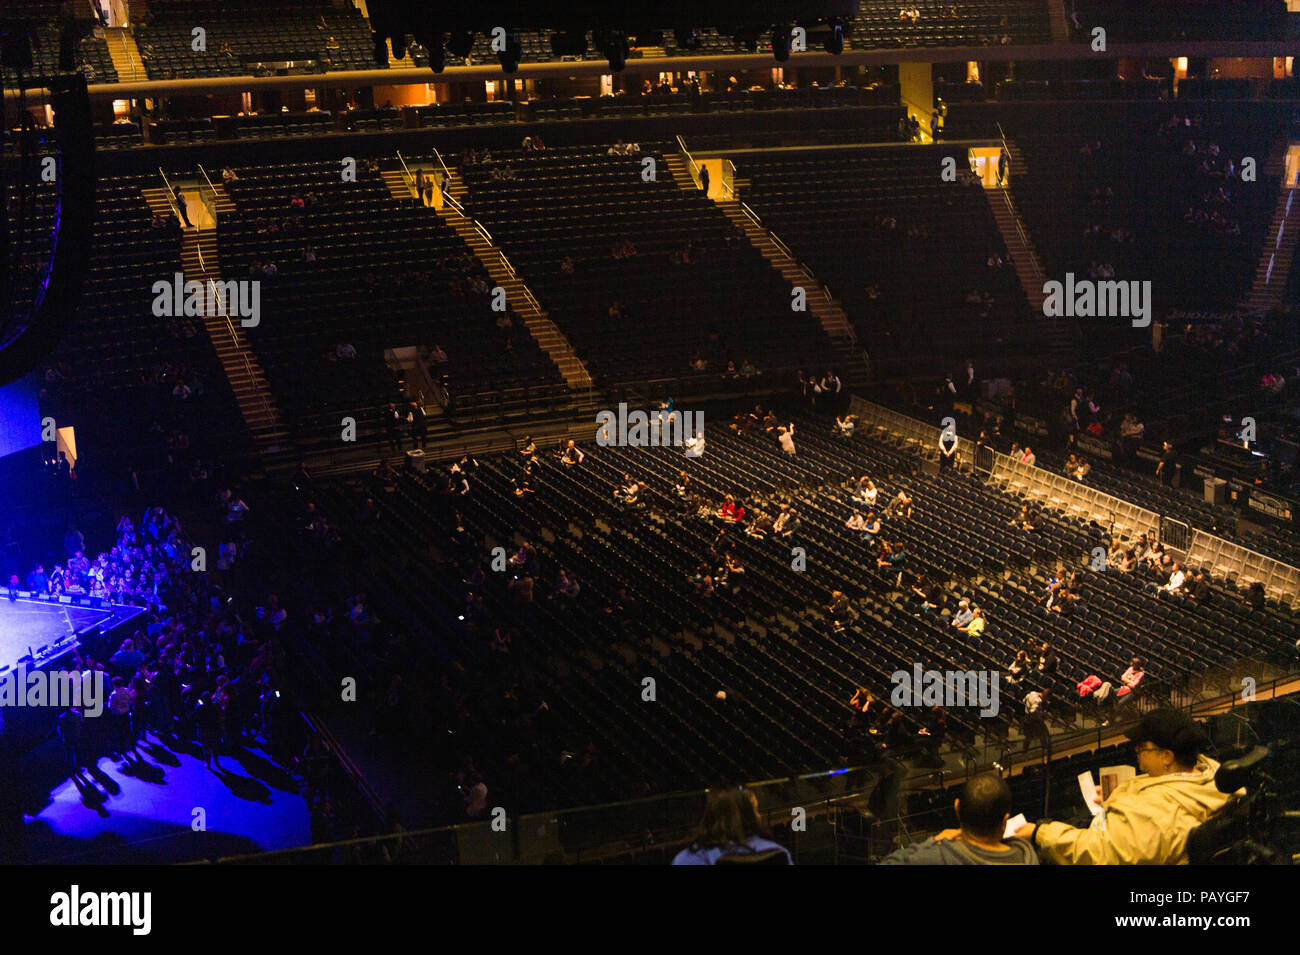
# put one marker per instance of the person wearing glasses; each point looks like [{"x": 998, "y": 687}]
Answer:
[{"x": 1147, "y": 819}]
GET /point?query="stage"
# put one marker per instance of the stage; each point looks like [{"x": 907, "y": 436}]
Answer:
[{"x": 48, "y": 628}]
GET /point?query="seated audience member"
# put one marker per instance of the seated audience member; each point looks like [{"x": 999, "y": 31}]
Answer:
[
  {"x": 731, "y": 831},
  {"x": 844, "y": 426},
  {"x": 1025, "y": 520},
  {"x": 1147, "y": 819},
  {"x": 983, "y": 808},
  {"x": 839, "y": 609},
  {"x": 762, "y": 527},
  {"x": 900, "y": 506},
  {"x": 628, "y": 491},
  {"x": 787, "y": 522},
  {"x": 1018, "y": 669},
  {"x": 866, "y": 491},
  {"x": 730, "y": 510},
  {"x": 977, "y": 623},
  {"x": 571, "y": 455},
  {"x": 1130, "y": 681},
  {"x": 857, "y": 522},
  {"x": 964, "y": 615},
  {"x": 1176, "y": 579}
]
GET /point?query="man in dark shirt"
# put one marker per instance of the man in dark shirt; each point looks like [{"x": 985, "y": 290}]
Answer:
[
  {"x": 71, "y": 728},
  {"x": 1199, "y": 586},
  {"x": 983, "y": 808},
  {"x": 1165, "y": 469}
]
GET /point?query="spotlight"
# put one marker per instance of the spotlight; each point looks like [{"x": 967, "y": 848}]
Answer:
[
  {"x": 688, "y": 38},
  {"x": 616, "y": 52},
  {"x": 569, "y": 43},
  {"x": 781, "y": 42},
  {"x": 835, "y": 40},
  {"x": 431, "y": 39},
  {"x": 748, "y": 40},
  {"x": 461, "y": 44},
  {"x": 512, "y": 54}
]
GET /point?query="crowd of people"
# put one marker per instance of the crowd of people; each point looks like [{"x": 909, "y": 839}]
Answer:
[{"x": 195, "y": 671}]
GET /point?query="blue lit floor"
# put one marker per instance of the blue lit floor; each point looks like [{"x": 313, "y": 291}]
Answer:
[{"x": 144, "y": 810}]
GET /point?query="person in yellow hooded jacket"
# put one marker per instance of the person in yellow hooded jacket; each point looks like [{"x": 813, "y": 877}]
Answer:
[{"x": 1147, "y": 819}]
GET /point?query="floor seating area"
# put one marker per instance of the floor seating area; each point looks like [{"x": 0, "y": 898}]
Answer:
[
  {"x": 901, "y": 248},
  {"x": 579, "y": 203},
  {"x": 387, "y": 275},
  {"x": 772, "y": 646}
]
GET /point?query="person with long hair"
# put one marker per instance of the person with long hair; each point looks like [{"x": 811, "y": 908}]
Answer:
[{"x": 731, "y": 827}]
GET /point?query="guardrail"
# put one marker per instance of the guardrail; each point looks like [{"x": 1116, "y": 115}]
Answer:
[
  {"x": 209, "y": 197},
  {"x": 406, "y": 171},
  {"x": 222, "y": 313}
]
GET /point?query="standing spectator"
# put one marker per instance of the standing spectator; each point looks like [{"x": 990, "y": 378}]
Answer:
[
  {"x": 181, "y": 208},
  {"x": 72, "y": 726},
  {"x": 704, "y": 180}
]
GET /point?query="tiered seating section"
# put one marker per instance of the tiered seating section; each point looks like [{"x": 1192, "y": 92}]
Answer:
[
  {"x": 240, "y": 36},
  {"x": 93, "y": 57},
  {"x": 1206, "y": 262},
  {"x": 901, "y": 248},
  {"x": 1148, "y": 21},
  {"x": 728, "y": 304},
  {"x": 387, "y": 275},
  {"x": 117, "y": 364},
  {"x": 322, "y": 36},
  {"x": 786, "y": 669}
]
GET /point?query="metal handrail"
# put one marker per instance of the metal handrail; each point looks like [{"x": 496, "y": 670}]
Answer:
[
  {"x": 210, "y": 201},
  {"x": 406, "y": 171},
  {"x": 693, "y": 166},
  {"x": 126, "y": 50},
  {"x": 446, "y": 191},
  {"x": 171, "y": 201},
  {"x": 224, "y": 313}
]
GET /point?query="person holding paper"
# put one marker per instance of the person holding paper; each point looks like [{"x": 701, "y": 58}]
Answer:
[
  {"x": 1147, "y": 819},
  {"x": 983, "y": 810}
]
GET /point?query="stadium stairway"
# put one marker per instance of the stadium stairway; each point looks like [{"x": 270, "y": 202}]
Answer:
[
  {"x": 503, "y": 275},
  {"x": 125, "y": 55},
  {"x": 199, "y": 262},
  {"x": 1279, "y": 247},
  {"x": 824, "y": 308},
  {"x": 1065, "y": 338}
]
